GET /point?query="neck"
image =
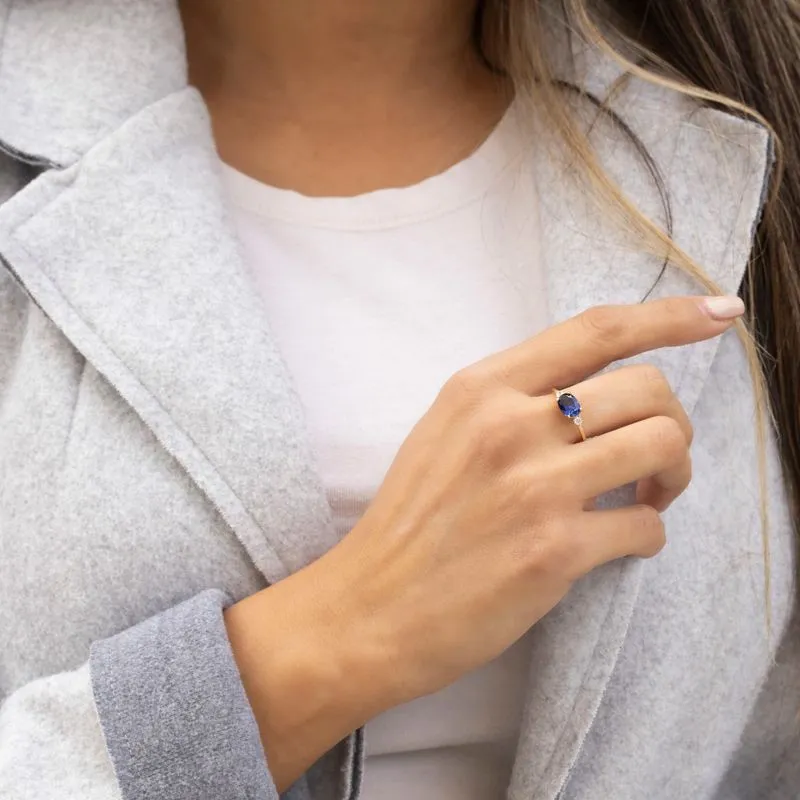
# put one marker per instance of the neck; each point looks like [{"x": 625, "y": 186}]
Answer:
[{"x": 351, "y": 95}]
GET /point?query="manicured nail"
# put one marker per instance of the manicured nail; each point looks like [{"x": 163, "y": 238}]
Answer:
[{"x": 724, "y": 308}]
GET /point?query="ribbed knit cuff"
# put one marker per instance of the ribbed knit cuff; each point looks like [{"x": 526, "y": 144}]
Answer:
[{"x": 176, "y": 720}]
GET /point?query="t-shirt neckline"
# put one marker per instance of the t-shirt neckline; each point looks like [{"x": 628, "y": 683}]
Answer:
[{"x": 449, "y": 190}]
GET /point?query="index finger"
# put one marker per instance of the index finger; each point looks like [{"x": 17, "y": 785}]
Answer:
[{"x": 580, "y": 346}]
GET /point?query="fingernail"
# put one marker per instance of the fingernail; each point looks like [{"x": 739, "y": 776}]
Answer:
[{"x": 725, "y": 307}]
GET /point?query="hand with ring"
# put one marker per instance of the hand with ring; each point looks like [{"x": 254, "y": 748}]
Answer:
[{"x": 486, "y": 517}]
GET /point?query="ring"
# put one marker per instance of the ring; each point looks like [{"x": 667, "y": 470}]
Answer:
[{"x": 570, "y": 407}]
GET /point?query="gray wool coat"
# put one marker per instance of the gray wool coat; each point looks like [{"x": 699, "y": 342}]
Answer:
[{"x": 154, "y": 464}]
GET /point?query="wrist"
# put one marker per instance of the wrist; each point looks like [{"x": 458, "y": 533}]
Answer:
[{"x": 311, "y": 672}]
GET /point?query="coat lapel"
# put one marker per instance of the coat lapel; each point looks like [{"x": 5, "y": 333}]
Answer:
[
  {"x": 124, "y": 243},
  {"x": 129, "y": 252},
  {"x": 715, "y": 169}
]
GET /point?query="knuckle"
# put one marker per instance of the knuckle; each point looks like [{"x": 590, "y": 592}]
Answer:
[
  {"x": 657, "y": 386},
  {"x": 668, "y": 439},
  {"x": 689, "y": 432},
  {"x": 655, "y": 382},
  {"x": 686, "y": 474},
  {"x": 649, "y": 530},
  {"x": 465, "y": 386},
  {"x": 603, "y": 325}
]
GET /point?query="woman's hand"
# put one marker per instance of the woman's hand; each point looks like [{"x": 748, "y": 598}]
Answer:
[{"x": 486, "y": 516}]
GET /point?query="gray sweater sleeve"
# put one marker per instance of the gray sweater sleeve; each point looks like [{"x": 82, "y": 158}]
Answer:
[{"x": 158, "y": 713}]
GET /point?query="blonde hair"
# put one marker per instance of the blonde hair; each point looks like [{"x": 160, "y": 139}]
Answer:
[{"x": 513, "y": 34}]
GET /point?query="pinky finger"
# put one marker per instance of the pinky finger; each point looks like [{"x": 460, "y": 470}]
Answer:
[{"x": 603, "y": 536}]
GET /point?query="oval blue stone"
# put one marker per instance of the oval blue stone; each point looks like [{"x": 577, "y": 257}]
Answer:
[{"x": 569, "y": 405}]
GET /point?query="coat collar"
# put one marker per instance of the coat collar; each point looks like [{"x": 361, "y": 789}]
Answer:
[
  {"x": 126, "y": 247},
  {"x": 63, "y": 67}
]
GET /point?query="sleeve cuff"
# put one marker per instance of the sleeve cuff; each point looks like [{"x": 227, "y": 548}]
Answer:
[{"x": 174, "y": 714}]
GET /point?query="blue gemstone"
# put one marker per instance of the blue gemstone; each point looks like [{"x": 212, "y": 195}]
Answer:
[{"x": 569, "y": 405}]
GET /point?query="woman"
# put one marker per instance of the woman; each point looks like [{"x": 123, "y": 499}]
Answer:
[{"x": 282, "y": 460}]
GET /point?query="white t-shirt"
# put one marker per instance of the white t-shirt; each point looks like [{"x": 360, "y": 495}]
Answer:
[{"x": 375, "y": 301}]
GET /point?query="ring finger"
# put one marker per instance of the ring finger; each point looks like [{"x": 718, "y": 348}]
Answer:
[{"x": 619, "y": 398}]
